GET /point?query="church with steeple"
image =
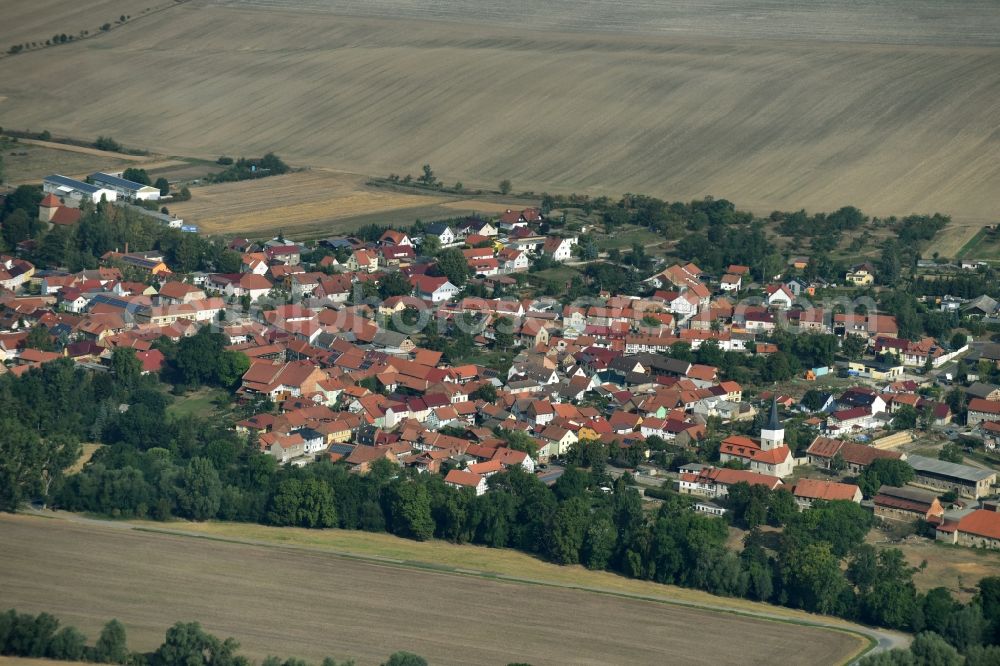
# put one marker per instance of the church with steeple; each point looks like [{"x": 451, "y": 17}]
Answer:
[{"x": 765, "y": 455}]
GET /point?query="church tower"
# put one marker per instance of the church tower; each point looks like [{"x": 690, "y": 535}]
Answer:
[{"x": 772, "y": 435}]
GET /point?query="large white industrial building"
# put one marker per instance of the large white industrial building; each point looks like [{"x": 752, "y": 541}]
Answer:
[
  {"x": 73, "y": 191},
  {"x": 126, "y": 189}
]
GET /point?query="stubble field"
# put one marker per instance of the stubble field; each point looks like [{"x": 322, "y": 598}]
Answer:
[
  {"x": 316, "y": 203},
  {"x": 27, "y": 161},
  {"x": 288, "y": 202},
  {"x": 278, "y": 600},
  {"x": 890, "y": 106}
]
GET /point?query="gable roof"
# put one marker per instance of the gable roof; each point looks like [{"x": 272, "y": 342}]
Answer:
[
  {"x": 460, "y": 477},
  {"x": 825, "y": 490}
]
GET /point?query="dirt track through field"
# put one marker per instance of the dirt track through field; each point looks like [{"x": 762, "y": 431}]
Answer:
[
  {"x": 894, "y": 108},
  {"x": 310, "y": 604}
]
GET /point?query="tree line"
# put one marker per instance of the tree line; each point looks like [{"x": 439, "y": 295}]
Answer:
[
  {"x": 185, "y": 644},
  {"x": 156, "y": 466}
]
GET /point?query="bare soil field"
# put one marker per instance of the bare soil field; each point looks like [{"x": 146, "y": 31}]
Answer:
[
  {"x": 301, "y": 601},
  {"x": 890, "y": 106},
  {"x": 39, "y": 20}
]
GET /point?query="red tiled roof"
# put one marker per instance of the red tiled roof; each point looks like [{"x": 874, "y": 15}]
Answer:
[
  {"x": 460, "y": 477},
  {"x": 982, "y": 523},
  {"x": 825, "y": 490},
  {"x": 984, "y": 406},
  {"x": 66, "y": 216}
]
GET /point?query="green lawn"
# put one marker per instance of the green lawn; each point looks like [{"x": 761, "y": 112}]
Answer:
[
  {"x": 623, "y": 239},
  {"x": 559, "y": 273},
  {"x": 985, "y": 246},
  {"x": 198, "y": 404}
]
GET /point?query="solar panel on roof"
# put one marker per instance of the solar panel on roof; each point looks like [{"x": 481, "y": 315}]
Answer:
[
  {"x": 115, "y": 181},
  {"x": 72, "y": 183}
]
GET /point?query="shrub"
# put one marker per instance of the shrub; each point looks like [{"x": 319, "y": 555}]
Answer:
[{"x": 107, "y": 143}]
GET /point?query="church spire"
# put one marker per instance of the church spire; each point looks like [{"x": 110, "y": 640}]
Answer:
[{"x": 773, "y": 423}]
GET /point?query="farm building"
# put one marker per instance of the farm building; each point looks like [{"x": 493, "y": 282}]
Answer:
[
  {"x": 807, "y": 491},
  {"x": 72, "y": 190},
  {"x": 165, "y": 219},
  {"x": 907, "y": 504},
  {"x": 983, "y": 410},
  {"x": 126, "y": 189},
  {"x": 969, "y": 481},
  {"x": 857, "y": 457},
  {"x": 979, "y": 529}
]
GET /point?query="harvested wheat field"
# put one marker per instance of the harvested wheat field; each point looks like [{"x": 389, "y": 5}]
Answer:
[
  {"x": 308, "y": 603},
  {"x": 889, "y": 105},
  {"x": 289, "y": 201}
]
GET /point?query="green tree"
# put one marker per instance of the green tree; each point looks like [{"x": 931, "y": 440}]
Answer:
[
  {"x": 136, "y": 175},
  {"x": 988, "y": 598},
  {"x": 394, "y": 284},
  {"x": 163, "y": 185},
  {"x": 853, "y": 346},
  {"x": 430, "y": 245},
  {"x": 111, "y": 647},
  {"x": 405, "y": 659},
  {"x": 39, "y": 338},
  {"x": 812, "y": 577},
  {"x": 980, "y": 655},
  {"x": 966, "y": 627},
  {"x": 54, "y": 455},
  {"x": 21, "y": 471},
  {"x": 232, "y": 366},
  {"x": 566, "y": 534},
  {"x": 199, "y": 490},
  {"x": 505, "y": 186},
  {"x": 126, "y": 367},
  {"x": 503, "y": 331},
  {"x": 427, "y": 177},
  {"x": 67, "y": 645},
  {"x": 187, "y": 643},
  {"x": 108, "y": 144},
  {"x": 303, "y": 503},
  {"x": 905, "y": 418},
  {"x": 892, "y": 598},
  {"x": 487, "y": 392},
  {"x": 813, "y": 400},
  {"x": 748, "y": 504},
  {"x": 936, "y": 607},
  {"x": 452, "y": 264},
  {"x": 410, "y": 510},
  {"x": 54, "y": 245},
  {"x": 884, "y": 471},
  {"x": 598, "y": 543},
  {"x": 952, "y": 453},
  {"x": 840, "y": 523},
  {"x": 781, "y": 507}
]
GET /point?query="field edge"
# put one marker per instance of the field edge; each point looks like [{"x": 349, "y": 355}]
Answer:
[{"x": 868, "y": 640}]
